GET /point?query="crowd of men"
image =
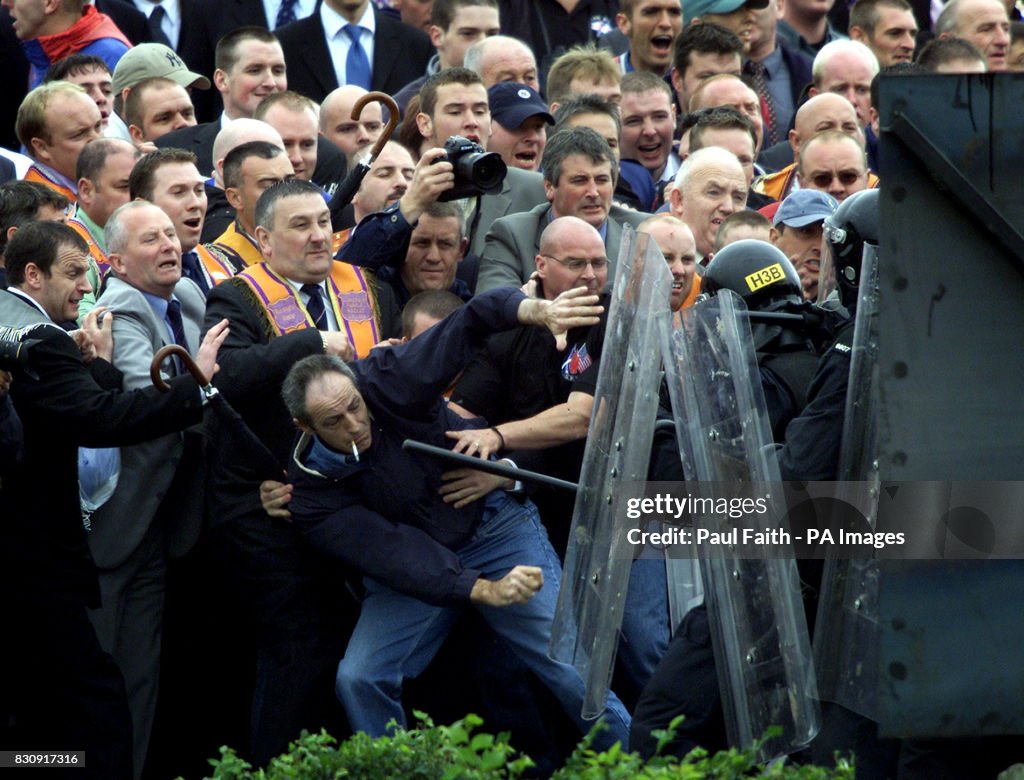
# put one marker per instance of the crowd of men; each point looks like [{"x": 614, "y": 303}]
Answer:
[{"x": 173, "y": 178}]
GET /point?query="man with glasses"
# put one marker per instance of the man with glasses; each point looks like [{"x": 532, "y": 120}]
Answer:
[
  {"x": 579, "y": 178},
  {"x": 835, "y": 163}
]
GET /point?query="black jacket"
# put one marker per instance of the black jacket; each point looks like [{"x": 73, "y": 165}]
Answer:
[{"x": 400, "y": 55}]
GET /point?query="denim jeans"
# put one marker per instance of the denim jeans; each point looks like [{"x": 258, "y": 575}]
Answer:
[
  {"x": 645, "y": 625},
  {"x": 398, "y": 635}
]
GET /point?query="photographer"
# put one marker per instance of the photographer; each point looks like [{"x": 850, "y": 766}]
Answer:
[{"x": 453, "y": 103}]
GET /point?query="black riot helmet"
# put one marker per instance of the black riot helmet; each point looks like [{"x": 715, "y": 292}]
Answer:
[
  {"x": 756, "y": 271},
  {"x": 854, "y": 224},
  {"x": 766, "y": 281}
]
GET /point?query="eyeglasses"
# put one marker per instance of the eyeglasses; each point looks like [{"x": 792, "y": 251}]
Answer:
[
  {"x": 578, "y": 264},
  {"x": 824, "y": 178}
]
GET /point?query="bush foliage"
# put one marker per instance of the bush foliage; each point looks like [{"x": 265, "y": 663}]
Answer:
[{"x": 460, "y": 750}]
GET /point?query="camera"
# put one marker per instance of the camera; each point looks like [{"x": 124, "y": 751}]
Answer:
[
  {"x": 477, "y": 172},
  {"x": 15, "y": 347}
]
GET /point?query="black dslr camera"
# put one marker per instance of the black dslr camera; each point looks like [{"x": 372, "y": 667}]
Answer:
[{"x": 477, "y": 172}]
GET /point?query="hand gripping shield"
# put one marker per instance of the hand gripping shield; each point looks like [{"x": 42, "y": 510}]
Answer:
[
  {"x": 759, "y": 632},
  {"x": 588, "y": 615},
  {"x": 846, "y": 628}
]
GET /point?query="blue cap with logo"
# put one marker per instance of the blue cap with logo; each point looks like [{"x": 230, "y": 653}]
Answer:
[
  {"x": 513, "y": 103},
  {"x": 695, "y": 9},
  {"x": 805, "y": 207}
]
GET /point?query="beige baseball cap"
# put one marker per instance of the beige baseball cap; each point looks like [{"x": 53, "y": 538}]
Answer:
[{"x": 150, "y": 60}]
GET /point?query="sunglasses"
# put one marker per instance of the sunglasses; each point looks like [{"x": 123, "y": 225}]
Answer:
[{"x": 824, "y": 178}]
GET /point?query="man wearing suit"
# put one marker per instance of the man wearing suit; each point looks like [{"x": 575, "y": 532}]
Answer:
[
  {"x": 156, "y": 509},
  {"x": 352, "y": 42},
  {"x": 205, "y": 22},
  {"x": 578, "y": 180},
  {"x": 63, "y": 687}
]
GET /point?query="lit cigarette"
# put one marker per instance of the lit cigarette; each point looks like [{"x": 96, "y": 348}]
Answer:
[{"x": 355, "y": 452}]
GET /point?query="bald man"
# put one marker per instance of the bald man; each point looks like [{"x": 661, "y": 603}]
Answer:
[
  {"x": 828, "y": 111},
  {"x": 350, "y": 135},
  {"x": 219, "y": 213}
]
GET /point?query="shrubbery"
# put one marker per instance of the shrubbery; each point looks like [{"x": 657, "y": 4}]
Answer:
[{"x": 431, "y": 752}]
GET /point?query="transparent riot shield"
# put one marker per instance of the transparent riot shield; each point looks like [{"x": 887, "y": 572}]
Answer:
[
  {"x": 759, "y": 632},
  {"x": 588, "y": 615},
  {"x": 685, "y": 588},
  {"x": 846, "y": 627}
]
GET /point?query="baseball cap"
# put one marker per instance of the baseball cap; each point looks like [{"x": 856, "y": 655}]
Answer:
[
  {"x": 150, "y": 60},
  {"x": 694, "y": 9},
  {"x": 513, "y": 103},
  {"x": 805, "y": 207}
]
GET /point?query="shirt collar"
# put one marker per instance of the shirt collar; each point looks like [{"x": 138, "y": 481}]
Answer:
[
  {"x": 170, "y": 8},
  {"x": 97, "y": 233},
  {"x": 773, "y": 62},
  {"x": 56, "y": 176},
  {"x": 29, "y": 300},
  {"x": 156, "y": 303},
  {"x": 333, "y": 22}
]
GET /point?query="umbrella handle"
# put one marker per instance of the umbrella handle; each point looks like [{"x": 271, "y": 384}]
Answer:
[
  {"x": 186, "y": 360},
  {"x": 389, "y": 102}
]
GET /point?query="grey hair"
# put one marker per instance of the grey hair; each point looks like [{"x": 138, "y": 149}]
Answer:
[
  {"x": 114, "y": 231},
  {"x": 303, "y": 374},
  {"x": 474, "y": 58},
  {"x": 697, "y": 159},
  {"x": 831, "y": 49}
]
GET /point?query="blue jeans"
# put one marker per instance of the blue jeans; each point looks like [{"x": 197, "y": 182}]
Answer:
[
  {"x": 397, "y": 635},
  {"x": 645, "y": 625}
]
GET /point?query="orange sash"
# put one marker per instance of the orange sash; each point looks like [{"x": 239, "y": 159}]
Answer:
[
  {"x": 338, "y": 240},
  {"x": 238, "y": 247},
  {"x": 35, "y": 174},
  {"x": 351, "y": 301},
  {"x": 214, "y": 269},
  {"x": 94, "y": 249}
]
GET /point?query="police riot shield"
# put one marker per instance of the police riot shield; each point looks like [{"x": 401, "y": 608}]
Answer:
[
  {"x": 759, "y": 632},
  {"x": 846, "y": 627},
  {"x": 588, "y": 615}
]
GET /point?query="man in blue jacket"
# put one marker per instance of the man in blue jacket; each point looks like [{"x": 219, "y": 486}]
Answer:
[{"x": 363, "y": 500}]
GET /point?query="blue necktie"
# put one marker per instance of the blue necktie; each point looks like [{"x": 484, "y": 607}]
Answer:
[
  {"x": 286, "y": 13},
  {"x": 190, "y": 269},
  {"x": 156, "y": 31},
  {"x": 177, "y": 325},
  {"x": 357, "y": 66},
  {"x": 178, "y": 329},
  {"x": 315, "y": 305}
]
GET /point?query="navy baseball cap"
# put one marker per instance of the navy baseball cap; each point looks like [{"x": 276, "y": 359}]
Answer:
[
  {"x": 805, "y": 207},
  {"x": 513, "y": 103},
  {"x": 695, "y": 9}
]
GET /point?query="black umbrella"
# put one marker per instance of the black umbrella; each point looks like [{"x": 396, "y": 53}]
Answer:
[
  {"x": 260, "y": 457},
  {"x": 348, "y": 188},
  {"x": 488, "y": 466}
]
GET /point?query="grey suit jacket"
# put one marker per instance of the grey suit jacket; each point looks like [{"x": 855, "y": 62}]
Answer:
[
  {"x": 148, "y": 470},
  {"x": 513, "y": 243},
  {"x": 521, "y": 191}
]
